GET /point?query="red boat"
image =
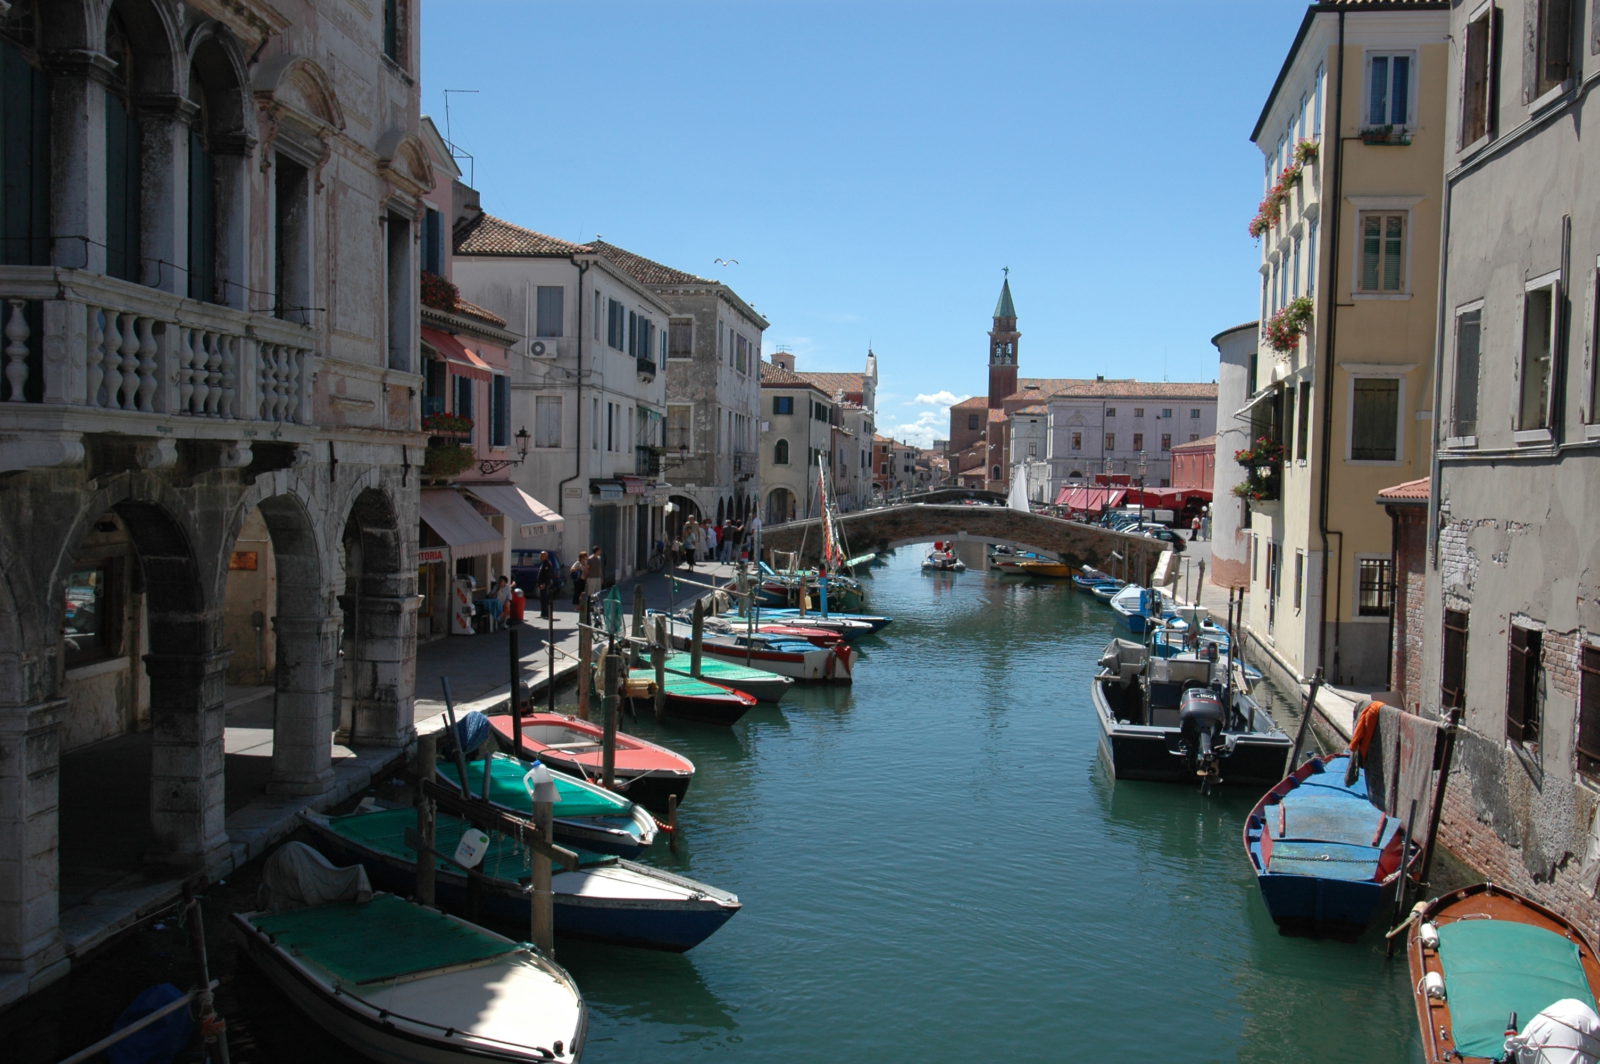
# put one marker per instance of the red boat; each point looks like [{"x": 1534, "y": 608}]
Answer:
[{"x": 643, "y": 770}]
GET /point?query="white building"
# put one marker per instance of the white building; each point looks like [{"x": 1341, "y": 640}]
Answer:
[{"x": 586, "y": 381}]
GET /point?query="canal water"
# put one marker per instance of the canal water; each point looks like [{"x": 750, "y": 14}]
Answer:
[{"x": 935, "y": 865}]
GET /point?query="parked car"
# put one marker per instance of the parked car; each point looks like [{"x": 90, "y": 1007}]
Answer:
[{"x": 1179, "y": 544}]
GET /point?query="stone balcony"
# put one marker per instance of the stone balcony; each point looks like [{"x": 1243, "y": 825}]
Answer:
[{"x": 84, "y": 353}]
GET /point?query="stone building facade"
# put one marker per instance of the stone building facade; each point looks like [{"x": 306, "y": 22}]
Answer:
[{"x": 208, "y": 292}]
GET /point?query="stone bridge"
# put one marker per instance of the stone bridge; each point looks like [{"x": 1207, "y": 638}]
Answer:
[{"x": 888, "y": 527}]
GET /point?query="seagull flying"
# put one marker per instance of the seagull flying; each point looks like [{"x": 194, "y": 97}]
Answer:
[{"x": 726, "y": 262}]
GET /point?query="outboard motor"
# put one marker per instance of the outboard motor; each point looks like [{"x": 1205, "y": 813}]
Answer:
[{"x": 1200, "y": 719}]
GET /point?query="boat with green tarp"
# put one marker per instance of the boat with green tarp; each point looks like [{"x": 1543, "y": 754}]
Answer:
[
  {"x": 1488, "y": 964},
  {"x": 765, "y": 686},
  {"x": 605, "y": 898},
  {"x": 586, "y": 815},
  {"x": 399, "y": 982}
]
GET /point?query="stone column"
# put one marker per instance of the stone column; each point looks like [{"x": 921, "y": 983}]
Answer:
[
  {"x": 30, "y": 780},
  {"x": 164, "y": 211},
  {"x": 380, "y": 665},
  {"x": 78, "y": 158},
  {"x": 188, "y": 716},
  {"x": 302, "y": 735}
]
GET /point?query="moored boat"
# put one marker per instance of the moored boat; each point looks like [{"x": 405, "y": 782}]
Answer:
[
  {"x": 765, "y": 685},
  {"x": 1044, "y": 568},
  {"x": 606, "y": 898},
  {"x": 1137, "y": 607},
  {"x": 644, "y": 771},
  {"x": 1326, "y": 858},
  {"x": 690, "y": 697},
  {"x": 401, "y": 983},
  {"x": 1486, "y": 962},
  {"x": 587, "y": 815},
  {"x": 875, "y": 622},
  {"x": 790, "y": 657},
  {"x": 1182, "y": 719}
]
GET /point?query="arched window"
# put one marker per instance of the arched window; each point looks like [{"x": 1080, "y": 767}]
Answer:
[
  {"x": 202, "y": 197},
  {"x": 124, "y": 159},
  {"x": 780, "y": 453},
  {"x": 994, "y": 473},
  {"x": 25, "y": 132}
]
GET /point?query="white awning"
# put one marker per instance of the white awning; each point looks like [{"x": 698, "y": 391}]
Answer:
[
  {"x": 454, "y": 520},
  {"x": 1243, "y": 413},
  {"x": 531, "y": 516}
]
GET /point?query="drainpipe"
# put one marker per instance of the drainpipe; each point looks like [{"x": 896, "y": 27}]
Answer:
[
  {"x": 577, "y": 452},
  {"x": 1331, "y": 317}
]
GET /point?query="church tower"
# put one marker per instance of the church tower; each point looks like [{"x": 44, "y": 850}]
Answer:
[{"x": 1003, "y": 348}]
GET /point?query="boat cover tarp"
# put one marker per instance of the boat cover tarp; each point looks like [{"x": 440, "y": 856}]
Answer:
[
  {"x": 1567, "y": 1032},
  {"x": 506, "y": 789},
  {"x": 381, "y": 939},
  {"x": 160, "y": 1041},
  {"x": 385, "y": 831},
  {"x": 680, "y": 685},
  {"x": 296, "y": 876},
  {"x": 1324, "y": 860},
  {"x": 1494, "y": 967}
]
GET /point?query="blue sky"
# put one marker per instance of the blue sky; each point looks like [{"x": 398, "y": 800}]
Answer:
[{"x": 873, "y": 164}]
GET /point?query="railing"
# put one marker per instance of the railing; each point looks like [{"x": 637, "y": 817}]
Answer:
[
  {"x": 79, "y": 339},
  {"x": 647, "y": 368},
  {"x": 647, "y": 461},
  {"x": 744, "y": 461}
]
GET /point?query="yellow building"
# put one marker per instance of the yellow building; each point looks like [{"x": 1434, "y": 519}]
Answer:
[{"x": 1352, "y": 138}]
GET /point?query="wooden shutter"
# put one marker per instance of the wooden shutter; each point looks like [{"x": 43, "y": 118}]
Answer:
[
  {"x": 1522, "y": 672},
  {"x": 1589, "y": 710},
  {"x": 1453, "y": 678}
]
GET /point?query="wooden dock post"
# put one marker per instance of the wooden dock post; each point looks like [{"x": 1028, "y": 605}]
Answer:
[
  {"x": 541, "y": 899},
  {"x": 514, "y": 645},
  {"x": 427, "y": 757},
  {"x": 699, "y": 633},
  {"x": 672, "y": 823},
  {"x": 608, "y": 709},
  {"x": 659, "y": 656},
  {"x": 637, "y": 629},
  {"x": 585, "y": 656}
]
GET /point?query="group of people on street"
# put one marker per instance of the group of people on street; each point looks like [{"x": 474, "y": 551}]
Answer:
[{"x": 724, "y": 541}]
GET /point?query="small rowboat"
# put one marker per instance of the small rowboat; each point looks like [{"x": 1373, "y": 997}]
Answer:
[
  {"x": 401, "y": 983},
  {"x": 587, "y": 815},
  {"x": 1040, "y": 567},
  {"x": 605, "y": 898},
  {"x": 874, "y": 621},
  {"x": 835, "y": 626},
  {"x": 1485, "y": 963},
  {"x": 689, "y": 698},
  {"x": 1326, "y": 858},
  {"x": 642, "y": 770},
  {"x": 765, "y": 686}
]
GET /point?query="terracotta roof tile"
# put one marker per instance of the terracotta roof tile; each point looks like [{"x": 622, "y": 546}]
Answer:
[
  {"x": 1209, "y": 443},
  {"x": 1410, "y": 491},
  {"x": 646, "y": 271},
  {"x": 833, "y": 383},
  {"x": 976, "y": 400},
  {"x": 1070, "y": 388},
  {"x": 488, "y": 235},
  {"x": 472, "y": 310}
]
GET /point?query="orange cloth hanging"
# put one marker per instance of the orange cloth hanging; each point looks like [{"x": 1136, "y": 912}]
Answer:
[{"x": 1365, "y": 728}]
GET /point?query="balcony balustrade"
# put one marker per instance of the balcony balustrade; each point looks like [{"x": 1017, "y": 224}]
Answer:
[
  {"x": 647, "y": 369},
  {"x": 78, "y": 339}
]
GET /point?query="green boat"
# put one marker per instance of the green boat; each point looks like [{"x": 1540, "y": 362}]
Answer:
[
  {"x": 586, "y": 815},
  {"x": 689, "y": 697},
  {"x": 764, "y": 685}
]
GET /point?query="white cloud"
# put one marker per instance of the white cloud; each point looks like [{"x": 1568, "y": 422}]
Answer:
[
  {"x": 921, "y": 430},
  {"x": 938, "y": 399}
]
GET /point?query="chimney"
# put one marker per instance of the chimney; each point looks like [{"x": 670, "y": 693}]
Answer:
[{"x": 783, "y": 360}]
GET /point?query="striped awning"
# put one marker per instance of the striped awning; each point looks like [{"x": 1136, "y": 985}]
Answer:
[{"x": 453, "y": 520}]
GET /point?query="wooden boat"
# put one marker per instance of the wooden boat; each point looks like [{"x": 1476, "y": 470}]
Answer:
[
  {"x": 607, "y": 898},
  {"x": 1043, "y": 568},
  {"x": 691, "y": 698},
  {"x": 837, "y": 626},
  {"x": 874, "y": 622},
  {"x": 643, "y": 771},
  {"x": 1326, "y": 858},
  {"x": 402, "y": 983},
  {"x": 1181, "y": 719},
  {"x": 1485, "y": 961},
  {"x": 587, "y": 816},
  {"x": 1090, "y": 578},
  {"x": 765, "y": 686},
  {"x": 821, "y": 592},
  {"x": 787, "y": 628},
  {"x": 789, "y": 657}
]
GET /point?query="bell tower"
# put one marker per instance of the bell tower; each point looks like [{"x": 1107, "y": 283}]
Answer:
[{"x": 1003, "y": 347}]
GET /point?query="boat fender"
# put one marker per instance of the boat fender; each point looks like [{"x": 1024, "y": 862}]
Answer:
[
  {"x": 1433, "y": 986},
  {"x": 1428, "y": 934}
]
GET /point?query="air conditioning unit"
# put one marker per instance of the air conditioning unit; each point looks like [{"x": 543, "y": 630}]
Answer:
[{"x": 542, "y": 348}]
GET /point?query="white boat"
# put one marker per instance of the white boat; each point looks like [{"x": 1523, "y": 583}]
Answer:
[
  {"x": 401, "y": 983},
  {"x": 943, "y": 562},
  {"x": 794, "y": 658}
]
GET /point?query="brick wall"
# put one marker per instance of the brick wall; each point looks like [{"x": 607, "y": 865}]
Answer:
[{"x": 1410, "y": 566}]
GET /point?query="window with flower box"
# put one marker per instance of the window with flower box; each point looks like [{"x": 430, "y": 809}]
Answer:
[{"x": 1389, "y": 89}]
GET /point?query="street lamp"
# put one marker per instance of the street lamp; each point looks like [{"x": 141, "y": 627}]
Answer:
[
  {"x": 1143, "y": 467},
  {"x": 494, "y": 465}
]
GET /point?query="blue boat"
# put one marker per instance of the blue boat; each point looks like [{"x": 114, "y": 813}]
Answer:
[
  {"x": 1135, "y": 606},
  {"x": 1326, "y": 858}
]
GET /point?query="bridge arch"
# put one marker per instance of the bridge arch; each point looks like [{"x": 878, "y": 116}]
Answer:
[{"x": 892, "y": 526}]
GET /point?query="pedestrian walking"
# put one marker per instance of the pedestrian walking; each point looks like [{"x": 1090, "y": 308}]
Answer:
[
  {"x": 502, "y": 599},
  {"x": 544, "y": 580},
  {"x": 580, "y": 577},
  {"x": 691, "y": 541},
  {"x": 1194, "y": 528},
  {"x": 597, "y": 572}
]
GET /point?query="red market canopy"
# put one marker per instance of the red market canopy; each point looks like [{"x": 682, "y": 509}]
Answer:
[{"x": 1092, "y": 499}]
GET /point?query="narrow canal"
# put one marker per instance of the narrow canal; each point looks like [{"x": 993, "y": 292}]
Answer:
[{"x": 935, "y": 865}]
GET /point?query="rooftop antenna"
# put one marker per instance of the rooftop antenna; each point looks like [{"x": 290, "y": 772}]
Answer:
[{"x": 457, "y": 152}]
